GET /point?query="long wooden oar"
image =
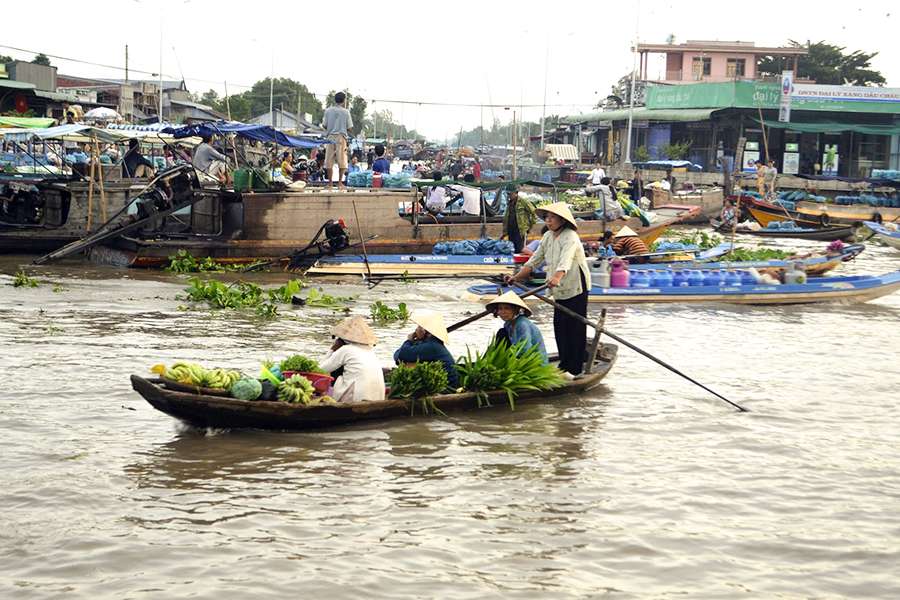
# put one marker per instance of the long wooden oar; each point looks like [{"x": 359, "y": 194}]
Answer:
[
  {"x": 529, "y": 292},
  {"x": 662, "y": 363}
]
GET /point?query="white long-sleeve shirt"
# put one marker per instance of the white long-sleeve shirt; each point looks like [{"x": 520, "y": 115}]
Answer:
[{"x": 362, "y": 373}]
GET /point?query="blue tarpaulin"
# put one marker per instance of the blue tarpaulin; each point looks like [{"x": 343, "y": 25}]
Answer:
[{"x": 259, "y": 133}]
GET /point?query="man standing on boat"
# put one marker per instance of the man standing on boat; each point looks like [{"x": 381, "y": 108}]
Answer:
[
  {"x": 337, "y": 123},
  {"x": 520, "y": 217}
]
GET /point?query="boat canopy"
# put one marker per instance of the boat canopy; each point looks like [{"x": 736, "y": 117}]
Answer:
[
  {"x": 259, "y": 133},
  {"x": 81, "y": 133},
  {"x": 39, "y": 122}
]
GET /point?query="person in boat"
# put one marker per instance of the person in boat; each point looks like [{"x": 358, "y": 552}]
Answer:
[
  {"x": 361, "y": 377},
  {"x": 381, "y": 164},
  {"x": 760, "y": 178},
  {"x": 136, "y": 164},
  {"x": 436, "y": 197},
  {"x": 428, "y": 343},
  {"x": 568, "y": 276},
  {"x": 520, "y": 217},
  {"x": 771, "y": 178},
  {"x": 287, "y": 165},
  {"x": 637, "y": 187},
  {"x": 532, "y": 246},
  {"x": 727, "y": 217},
  {"x": 210, "y": 161},
  {"x": 605, "y": 249},
  {"x": 516, "y": 324},
  {"x": 627, "y": 243},
  {"x": 337, "y": 123}
]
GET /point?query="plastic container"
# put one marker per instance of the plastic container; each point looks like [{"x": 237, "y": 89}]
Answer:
[
  {"x": 680, "y": 278},
  {"x": 600, "y": 273},
  {"x": 695, "y": 278},
  {"x": 243, "y": 179},
  {"x": 732, "y": 278},
  {"x": 713, "y": 277},
  {"x": 794, "y": 274},
  {"x": 662, "y": 278},
  {"x": 619, "y": 276},
  {"x": 377, "y": 180},
  {"x": 640, "y": 279},
  {"x": 747, "y": 278}
]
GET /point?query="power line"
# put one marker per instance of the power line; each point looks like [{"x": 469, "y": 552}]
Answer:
[{"x": 318, "y": 95}]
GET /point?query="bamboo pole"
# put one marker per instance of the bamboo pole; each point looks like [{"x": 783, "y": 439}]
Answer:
[
  {"x": 100, "y": 181},
  {"x": 90, "y": 206}
]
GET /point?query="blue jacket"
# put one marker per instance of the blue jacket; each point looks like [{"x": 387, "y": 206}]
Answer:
[
  {"x": 381, "y": 165},
  {"x": 428, "y": 350},
  {"x": 521, "y": 328}
]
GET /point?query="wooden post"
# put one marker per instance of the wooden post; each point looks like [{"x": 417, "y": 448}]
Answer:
[
  {"x": 90, "y": 206},
  {"x": 595, "y": 345},
  {"x": 100, "y": 180},
  {"x": 765, "y": 138}
]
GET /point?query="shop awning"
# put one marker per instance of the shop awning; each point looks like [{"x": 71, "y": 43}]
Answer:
[
  {"x": 36, "y": 122},
  {"x": 642, "y": 113},
  {"x": 836, "y": 127},
  {"x": 562, "y": 151}
]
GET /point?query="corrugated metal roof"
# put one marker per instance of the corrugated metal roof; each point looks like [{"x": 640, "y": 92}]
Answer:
[
  {"x": 562, "y": 151},
  {"x": 16, "y": 85}
]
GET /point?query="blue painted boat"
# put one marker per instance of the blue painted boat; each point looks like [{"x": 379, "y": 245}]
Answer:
[
  {"x": 848, "y": 289},
  {"x": 813, "y": 265},
  {"x": 891, "y": 238}
]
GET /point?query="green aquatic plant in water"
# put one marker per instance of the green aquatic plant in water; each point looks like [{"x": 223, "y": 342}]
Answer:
[
  {"x": 383, "y": 314},
  {"x": 245, "y": 295},
  {"x": 22, "y": 280}
]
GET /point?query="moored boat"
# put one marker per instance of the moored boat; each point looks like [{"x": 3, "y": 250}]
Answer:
[
  {"x": 217, "y": 411},
  {"x": 889, "y": 237},
  {"x": 822, "y": 234},
  {"x": 848, "y": 289}
]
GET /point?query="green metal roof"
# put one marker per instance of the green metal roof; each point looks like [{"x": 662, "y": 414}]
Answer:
[{"x": 642, "y": 113}]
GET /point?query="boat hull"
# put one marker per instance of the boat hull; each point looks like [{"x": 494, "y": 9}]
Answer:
[
  {"x": 852, "y": 289},
  {"x": 199, "y": 410},
  {"x": 891, "y": 238}
]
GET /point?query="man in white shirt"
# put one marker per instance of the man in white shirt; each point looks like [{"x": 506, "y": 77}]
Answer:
[{"x": 596, "y": 175}]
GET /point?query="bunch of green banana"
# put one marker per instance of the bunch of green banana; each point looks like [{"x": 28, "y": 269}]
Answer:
[
  {"x": 188, "y": 373},
  {"x": 296, "y": 390},
  {"x": 219, "y": 378}
]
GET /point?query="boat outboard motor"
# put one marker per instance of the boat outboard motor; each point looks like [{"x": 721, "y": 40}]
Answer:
[{"x": 336, "y": 235}]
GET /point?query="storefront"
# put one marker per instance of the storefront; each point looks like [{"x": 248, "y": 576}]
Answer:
[{"x": 838, "y": 130}]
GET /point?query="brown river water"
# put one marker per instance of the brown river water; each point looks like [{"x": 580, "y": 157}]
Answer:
[{"x": 645, "y": 487}]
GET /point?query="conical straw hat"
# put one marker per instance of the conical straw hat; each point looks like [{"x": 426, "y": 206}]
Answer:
[
  {"x": 432, "y": 322},
  {"x": 355, "y": 329},
  {"x": 625, "y": 232},
  {"x": 510, "y": 297},
  {"x": 560, "y": 209}
]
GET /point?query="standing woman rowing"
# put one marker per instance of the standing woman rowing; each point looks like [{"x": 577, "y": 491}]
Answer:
[{"x": 568, "y": 277}]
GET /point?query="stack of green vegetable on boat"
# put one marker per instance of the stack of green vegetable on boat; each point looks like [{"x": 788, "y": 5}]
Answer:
[
  {"x": 512, "y": 369},
  {"x": 272, "y": 384}
]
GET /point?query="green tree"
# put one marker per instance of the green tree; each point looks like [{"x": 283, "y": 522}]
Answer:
[
  {"x": 5, "y": 59},
  {"x": 826, "y": 64},
  {"x": 209, "y": 98},
  {"x": 255, "y": 101},
  {"x": 387, "y": 127},
  {"x": 41, "y": 59},
  {"x": 620, "y": 93}
]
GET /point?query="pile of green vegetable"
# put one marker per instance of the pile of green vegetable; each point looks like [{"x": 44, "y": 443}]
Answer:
[
  {"x": 509, "y": 368},
  {"x": 299, "y": 364},
  {"x": 746, "y": 254},
  {"x": 418, "y": 383},
  {"x": 194, "y": 374},
  {"x": 383, "y": 314}
]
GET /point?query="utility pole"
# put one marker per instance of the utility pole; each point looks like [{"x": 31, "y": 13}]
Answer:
[
  {"x": 227, "y": 102},
  {"x": 126, "y": 63},
  {"x": 633, "y": 74},
  {"x": 514, "y": 145},
  {"x": 299, "y": 107},
  {"x": 544, "y": 111}
]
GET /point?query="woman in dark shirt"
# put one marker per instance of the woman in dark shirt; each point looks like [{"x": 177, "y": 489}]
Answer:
[{"x": 428, "y": 343}]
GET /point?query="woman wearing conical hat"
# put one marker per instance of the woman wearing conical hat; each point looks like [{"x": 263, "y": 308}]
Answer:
[
  {"x": 627, "y": 243},
  {"x": 362, "y": 379},
  {"x": 568, "y": 277},
  {"x": 517, "y": 327},
  {"x": 428, "y": 344}
]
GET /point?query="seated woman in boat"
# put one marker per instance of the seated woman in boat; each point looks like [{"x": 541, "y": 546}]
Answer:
[
  {"x": 361, "y": 378},
  {"x": 136, "y": 164},
  {"x": 428, "y": 343},
  {"x": 516, "y": 324},
  {"x": 627, "y": 243},
  {"x": 727, "y": 216}
]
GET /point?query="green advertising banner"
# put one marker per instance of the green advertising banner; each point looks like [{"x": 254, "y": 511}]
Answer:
[{"x": 757, "y": 94}]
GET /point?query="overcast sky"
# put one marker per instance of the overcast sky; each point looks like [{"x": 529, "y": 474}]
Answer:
[{"x": 450, "y": 52}]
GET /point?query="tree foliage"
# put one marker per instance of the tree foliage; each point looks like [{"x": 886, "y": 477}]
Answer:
[
  {"x": 381, "y": 124},
  {"x": 826, "y": 64},
  {"x": 5, "y": 59},
  {"x": 620, "y": 93},
  {"x": 500, "y": 135},
  {"x": 41, "y": 59},
  {"x": 255, "y": 101}
]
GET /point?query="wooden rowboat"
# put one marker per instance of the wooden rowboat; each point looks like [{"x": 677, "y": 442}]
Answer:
[
  {"x": 849, "y": 289},
  {"x": 822, "y": 234},
  {"x": 222, "y": 412}
]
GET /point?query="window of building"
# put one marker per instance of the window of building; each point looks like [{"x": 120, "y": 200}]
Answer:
[
  {"x": 735, "y": 67},
  {"x": 701, "y": 67}
]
